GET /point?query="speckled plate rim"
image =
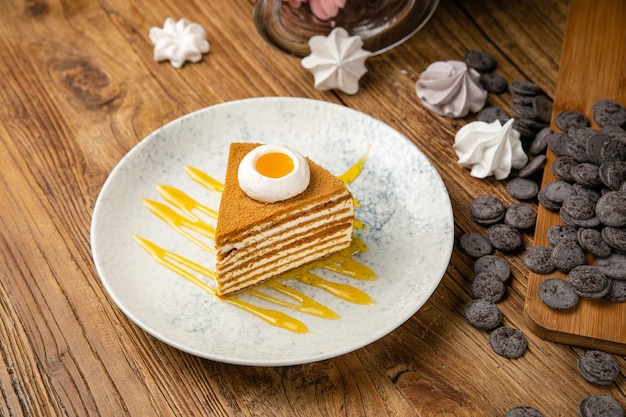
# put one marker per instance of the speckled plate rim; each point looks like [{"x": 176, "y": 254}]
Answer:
[{"x": 403, "y": 200}]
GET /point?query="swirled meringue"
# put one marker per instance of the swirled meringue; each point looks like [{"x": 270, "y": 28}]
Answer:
[
  {"x": 489, "y": 149},
  {"x": 337, "y": 61},
  {"x": 451, "y": 89},
  {"x": 179, "y": 41}
]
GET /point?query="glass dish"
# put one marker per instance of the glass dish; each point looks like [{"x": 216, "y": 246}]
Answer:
[{"x": 382, "y": 24}]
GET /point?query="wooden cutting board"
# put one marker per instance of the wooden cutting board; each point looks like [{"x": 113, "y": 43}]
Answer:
[{"x": 592, "y": 67}]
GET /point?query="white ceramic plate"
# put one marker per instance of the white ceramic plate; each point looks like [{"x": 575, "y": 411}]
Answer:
[{"x": 403, "y": 201}]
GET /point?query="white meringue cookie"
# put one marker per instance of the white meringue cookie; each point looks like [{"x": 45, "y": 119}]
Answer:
[
  {"x": 489, "y": 149},
  {"x": 179, "y": 41},
  {"x": 337, "y": 61},
  {"x": 451, "y": 89}
]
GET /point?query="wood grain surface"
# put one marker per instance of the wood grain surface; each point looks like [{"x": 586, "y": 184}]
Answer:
[
  {"x": 593, "y": 67},
  {"x": 79, "y": 88}
]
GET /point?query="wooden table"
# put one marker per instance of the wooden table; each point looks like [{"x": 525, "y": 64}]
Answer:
[{"x": 79, "y": 88}]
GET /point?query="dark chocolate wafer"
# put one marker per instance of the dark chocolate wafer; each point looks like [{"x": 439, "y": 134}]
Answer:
[
  {"x": 609, "y": 112},
  {"x": 481, "y": 61},
  {"x": 579, "y": 207},
  {"x": 600, "y": 406},
  {"x": 591, "y": 241},
  {"x": 521, "y": 111},
  {"x": 617, "y": 292},
  {"x": 566, "y": 256},
  {"x": 488, "y": 286},
  {"x": 487, "y": 210},
  {"x": 561, "y": 233},
  {"x": 558, "y": 191},
  {"x": 615, "y": 238},
  {"x": 612, "y": 150},
  {"x": 522, "y": 188},
  {"x": 594, "y": 147},
  {"x": 590, "y": 193},
  {"x": 559, "y": 143},
  {"x": 613, "y": 174},
  {"x": 598, "y": 367},
  {"x": 562, "y": 166},
  {"x": 543, "y": 107},
  {"x": 520, "y": 216},
  {"x": 588, "y": 281},
  {"x": 491, "y": 114},
  {"x": 508, "y": 342},
  {"x": 539, "y": 144},
  {"x": 475, "y": 245},
  {"x": 525, "y": 88},
  {"x": 611, "y": 209},
  {"x": 493, "y": 83},
  {"x": 538, "y": 259},
  {"x": 557, "y": 293},
  {"x": 494, "y": 264},
  {"x": 505, "y": 237},
  {"x": 586, "y": 174},
  {"x": 523, "y": 411},
  {"x": 581, "y": 135},
  {"x": 483, "y": 314},
  {"x": 613, "y": 266},
  {"x": 568, "y": 119},
  {"x": 534, "y": 166},
  {"x": 526, "y": 100}
]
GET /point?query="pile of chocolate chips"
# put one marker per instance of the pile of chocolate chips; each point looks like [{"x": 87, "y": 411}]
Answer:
[
  {"x": 491, "y": 272},
  {"x": 590, "y": 197},
  {"x": 591, "y": 169}
]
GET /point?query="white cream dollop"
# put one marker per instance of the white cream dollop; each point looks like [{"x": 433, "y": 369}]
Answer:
[
  {"x": 284, "y": 182},
  {"x": 179, "y": 41},
  {"x": 337, "y": 61},
  {"x": 489, "y": 149},
  {"x": 451, "y": 89}
]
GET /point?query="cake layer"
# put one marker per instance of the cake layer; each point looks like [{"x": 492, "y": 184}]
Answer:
[
  {"x": 312, "y": 220},
  {"x": 284, "y": 262},
  {"x": 286, "y": 240},
  {"x": 280, "y": 243},
  {"x": 294, "y": 218}
]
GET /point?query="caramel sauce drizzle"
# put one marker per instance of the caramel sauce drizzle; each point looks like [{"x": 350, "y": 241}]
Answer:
[
  {"x": 180, "y": 223},
  {"x": 182, "y": 266},
  {"x": 184, "y": 203},
  {"x": 341, "y": 262},
  {"x": 204, "y": 179},
  {"x": 350, "y": 175}
]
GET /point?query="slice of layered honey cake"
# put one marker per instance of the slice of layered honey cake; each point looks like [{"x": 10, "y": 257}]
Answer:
[{"x": 278, "y": 211}]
